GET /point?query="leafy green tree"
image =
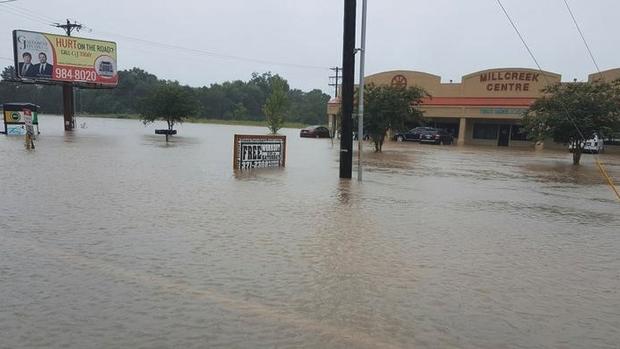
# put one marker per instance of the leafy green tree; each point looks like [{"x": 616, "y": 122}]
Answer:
[
  {"x": 388, "y": 107},
  {"x": 574, "y": 112},
  {"x": 240, "y": 111},
  {"x": 169, "y": 102},
  {"x": 8, "y": 73},
  {"x": 276, "y": 106},
  {"x": 225, "y": 100}
]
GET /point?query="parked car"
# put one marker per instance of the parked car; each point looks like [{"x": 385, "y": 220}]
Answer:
[
  {"x": 315, "y": 132},
  {"x": 436, "y": 137},
  {"x": 593, "y": 145},
  {"x": 412, "y": 135}
]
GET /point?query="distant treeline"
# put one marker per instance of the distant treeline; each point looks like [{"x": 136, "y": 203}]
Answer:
[{"x": 236, "y": 100}]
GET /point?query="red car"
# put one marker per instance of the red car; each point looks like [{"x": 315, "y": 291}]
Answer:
[{"x": 315, "y": 132}]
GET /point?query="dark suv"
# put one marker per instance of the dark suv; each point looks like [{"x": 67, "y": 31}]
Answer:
[{"x": 413, "y": 134}]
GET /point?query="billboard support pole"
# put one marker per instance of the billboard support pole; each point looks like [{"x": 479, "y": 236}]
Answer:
[
  {"x": 67, "y": 103},
  {"x": 348, "y": 77}
]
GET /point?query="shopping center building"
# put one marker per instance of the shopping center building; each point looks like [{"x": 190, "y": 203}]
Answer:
[{"x": 484, "y": 108}]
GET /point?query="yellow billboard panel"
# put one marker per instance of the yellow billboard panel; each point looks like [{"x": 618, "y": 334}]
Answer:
[{"x": 43, "y": 56}]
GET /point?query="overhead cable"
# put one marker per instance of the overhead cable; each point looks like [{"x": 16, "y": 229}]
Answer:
[{"x": 585, "y": 42}]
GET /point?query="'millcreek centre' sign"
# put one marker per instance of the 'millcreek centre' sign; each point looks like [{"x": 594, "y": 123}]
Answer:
[{"x": 509, "y": 81}]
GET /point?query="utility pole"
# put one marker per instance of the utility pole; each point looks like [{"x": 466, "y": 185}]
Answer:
[
  {"x": 348, "y": 77},
  {"x": 337, "y": 79},
  {"x": 68, "y": 101},
  {"x": 360, "y": 109}
]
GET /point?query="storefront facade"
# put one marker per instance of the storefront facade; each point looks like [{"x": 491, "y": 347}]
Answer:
[{"x": 484, "y": 108}]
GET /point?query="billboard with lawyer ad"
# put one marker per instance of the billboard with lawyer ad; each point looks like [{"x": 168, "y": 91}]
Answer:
[{"x": 42, "y": 56}]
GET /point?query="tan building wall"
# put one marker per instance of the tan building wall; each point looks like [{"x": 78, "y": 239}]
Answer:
[
  {"x": 494, "y": 96},
  {"x": 606, "y": 75}
]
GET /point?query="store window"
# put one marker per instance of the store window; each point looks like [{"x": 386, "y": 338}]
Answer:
[
  {"x": 517, "y": 133},
  {"x": 485, "y": 131}
]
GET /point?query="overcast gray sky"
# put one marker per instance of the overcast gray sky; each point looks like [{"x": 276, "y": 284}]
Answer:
[{"x": 450, "y": 38}]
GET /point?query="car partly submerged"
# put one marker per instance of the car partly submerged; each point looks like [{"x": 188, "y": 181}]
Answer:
[{"x": 316, "y": 131}]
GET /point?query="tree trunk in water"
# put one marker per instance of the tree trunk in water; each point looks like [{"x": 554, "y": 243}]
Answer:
[
  {"x": 170, "y": 127},
  {"x": 378, "y": 143},
  {"x": 576, "y": 154}
]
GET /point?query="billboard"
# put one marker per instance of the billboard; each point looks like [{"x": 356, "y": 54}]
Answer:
[{"x": 58, "y": 58}]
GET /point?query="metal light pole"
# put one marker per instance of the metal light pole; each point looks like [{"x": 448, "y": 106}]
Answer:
[
  {"x": 348, "y": 77},
  {"x": 360, "y": 115}
]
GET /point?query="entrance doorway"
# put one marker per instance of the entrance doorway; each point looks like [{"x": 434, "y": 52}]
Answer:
[{"x": 504, "y": 135}]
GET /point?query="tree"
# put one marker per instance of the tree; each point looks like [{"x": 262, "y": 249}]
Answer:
[
  {"x": 225, "y": 100},
  {"x": 239, "y": 112},
  {"x": 388, "y": 107},
  {"x": 8, "y": 73},
  {"x": 573, "y": 112},
  {"x": 169, "y": 102},
  {"x": 276, "y": 106}
]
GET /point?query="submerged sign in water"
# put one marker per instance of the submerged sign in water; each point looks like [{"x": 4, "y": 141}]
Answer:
[
  {"x": 252, "y": 151},
  {"x": 42, "y": 56}
]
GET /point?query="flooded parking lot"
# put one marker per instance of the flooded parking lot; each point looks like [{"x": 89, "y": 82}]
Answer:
[{"x": 111, "y": 238}]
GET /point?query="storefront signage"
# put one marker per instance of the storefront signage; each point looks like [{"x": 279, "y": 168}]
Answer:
[
  {"x": 253, "y": 151},
  {"x": 503, "y": 111},
  {"x": 512, "y": 81},
  {"x": 14, "y": 113}
]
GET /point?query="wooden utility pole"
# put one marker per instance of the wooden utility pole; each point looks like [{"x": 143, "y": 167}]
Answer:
[
  {"x": 67, "y": 87},
  {"x": 348, "y": 76},
  {"x": 336, "y": 80}
]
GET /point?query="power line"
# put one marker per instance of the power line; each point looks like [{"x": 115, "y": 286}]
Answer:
[
  {"x": 566, "y": 110},
  {"x": 583, "y": 38},
  {"x": 17, "y": 13},
  {"x": 29, "y": 12},
  {"x": 33, "y": 16},
  {"x": 213, "y": 54},
  {"x": 514, "y": 26}
]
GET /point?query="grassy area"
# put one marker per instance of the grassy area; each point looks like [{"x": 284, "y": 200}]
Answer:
[
  {"x": 243, "y": 122},
  {"x": 199, "y": 120}
]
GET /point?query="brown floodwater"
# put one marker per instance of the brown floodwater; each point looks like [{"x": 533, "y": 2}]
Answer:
[{"x": 111, "y": 238}]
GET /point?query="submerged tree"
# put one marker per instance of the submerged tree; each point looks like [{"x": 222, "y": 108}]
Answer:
[
  {"x": 574, "y": 112},
  {"x": 390, "y": 107},
  {"x": 168, "y": 102},
  {"x": 277, "y": 105}
]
